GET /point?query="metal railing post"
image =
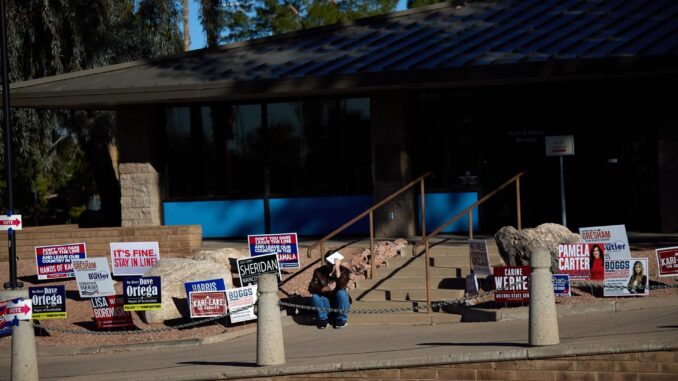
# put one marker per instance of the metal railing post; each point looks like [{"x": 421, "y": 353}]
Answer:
[
  {"x": 423, "y": 234},
  {"x": 520, "y": 223},
  {"x": 372, "y": 253},
  {"x": 470, "y": 224}
]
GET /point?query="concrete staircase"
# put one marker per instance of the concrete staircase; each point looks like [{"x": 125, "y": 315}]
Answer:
[{"x": 402, "y": 284}]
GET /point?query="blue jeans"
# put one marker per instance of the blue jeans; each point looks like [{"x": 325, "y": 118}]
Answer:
[{"x": 340, "y": 301}]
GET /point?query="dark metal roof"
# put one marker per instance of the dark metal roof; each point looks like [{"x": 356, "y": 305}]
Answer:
[{"x": 433, "y": 46}]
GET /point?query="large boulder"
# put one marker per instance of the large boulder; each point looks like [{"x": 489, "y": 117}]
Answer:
[
  {"x": 514, "y": 245},
  {"x": 224, "y": 256},
  {"x": 174, "y": 272}
]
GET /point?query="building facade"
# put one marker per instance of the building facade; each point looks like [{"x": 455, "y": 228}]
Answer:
[{"x": 303, "y": 131}]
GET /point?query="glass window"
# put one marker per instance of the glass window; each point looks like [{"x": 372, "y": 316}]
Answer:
[
  {"x": 315, "y": 147},
  {"x": 215, "y": 150},
  {"x": 320, "y": 147}
]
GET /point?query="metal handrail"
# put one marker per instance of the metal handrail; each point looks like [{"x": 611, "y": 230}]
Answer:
[
  {"x": 370, "y": 212},
  {"x": 468, "y": 211}
]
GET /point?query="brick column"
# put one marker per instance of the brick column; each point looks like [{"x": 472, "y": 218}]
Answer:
[{"x": 140, "y": 194}]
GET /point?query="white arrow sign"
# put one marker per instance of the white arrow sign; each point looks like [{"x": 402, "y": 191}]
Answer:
[
  {"x": 10, "y": 222},
  {"x": 22, "y": 309}
]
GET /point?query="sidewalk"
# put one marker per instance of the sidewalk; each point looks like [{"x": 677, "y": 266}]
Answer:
[{"x": 309, "y": 350}]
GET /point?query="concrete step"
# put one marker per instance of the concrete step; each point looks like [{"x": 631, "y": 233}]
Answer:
[
  {"x": 411, "y": 283},
  {"x": 403, "y": 319},
  {"x": 418, "y": 295},
  {"x": 398, "y": 306}
]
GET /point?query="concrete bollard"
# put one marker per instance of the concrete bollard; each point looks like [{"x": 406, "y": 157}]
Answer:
[
  {"x": 543, "y": 316},
  {"x": 24, "y": 358},
  {"x": 270, "y": 346}
]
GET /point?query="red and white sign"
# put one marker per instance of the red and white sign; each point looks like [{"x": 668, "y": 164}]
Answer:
[
  {"x": 133, "y": 258},
  {"x": 574, "y": 259},
  {"x": 10, "y": 222},
  {"x": 511, "y": 283},
  {"x": 667, "y": 261},
  {"x": 22, "y": 309},
  {"x": 109, "y": 312},
  {"x": 207, "y": 303}
]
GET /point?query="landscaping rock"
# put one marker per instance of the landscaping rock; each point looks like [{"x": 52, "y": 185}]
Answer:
[
  {"x": 514, "y": 245},
  {"x": 174, "y": 272}
]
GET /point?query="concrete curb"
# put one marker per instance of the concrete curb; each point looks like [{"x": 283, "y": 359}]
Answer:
[
  {"x": 517, "y": 354},
  {"x": 471, "y": 314}
]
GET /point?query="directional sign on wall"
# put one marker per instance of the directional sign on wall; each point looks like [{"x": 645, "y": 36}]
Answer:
[{"x": 10, "y": 222}]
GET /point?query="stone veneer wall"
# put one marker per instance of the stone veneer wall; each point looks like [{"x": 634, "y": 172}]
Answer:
[
  {"x": 140, "y": 195},
  {"x": 174, "y": 241},
  {"x": 644, "y": 366}
]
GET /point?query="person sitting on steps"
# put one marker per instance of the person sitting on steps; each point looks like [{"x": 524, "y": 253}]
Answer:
[{"x": 328, "y": 288}]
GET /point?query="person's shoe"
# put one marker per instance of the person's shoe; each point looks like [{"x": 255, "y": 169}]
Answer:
[
  {"x": 341, "y": 325},
  {"x": 322, "y": 324}
]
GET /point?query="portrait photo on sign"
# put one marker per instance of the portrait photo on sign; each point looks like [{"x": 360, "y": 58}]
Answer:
[{"x": 626, "y": 277}]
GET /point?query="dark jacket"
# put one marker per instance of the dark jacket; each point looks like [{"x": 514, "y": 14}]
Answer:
[{"x": 321, "y": 277}]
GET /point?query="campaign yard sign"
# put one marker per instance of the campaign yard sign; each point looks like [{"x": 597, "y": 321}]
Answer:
[
  {"x": 285, "y": 245},
  {"x": 142, "y": 293},
  {"x": 249, "y": 269},
  {"x": 471, "y": 285},
  {"x": 216, "y": 284},
  {"x": 613, "y": 239},
  {"x": 133, "y": 258},
  {"x": 480, "y": 261},
  {"x": 49, "y": 302},
  {"x": 207, "y": 303},
  {"x": 5, "y": 323},
  {"x": 561, "y": 285},
  {"x": 667, "y": 261},
  {"x": 626, "y": 277},
  {"x": 54, "y": 261},
  {"x": 574, "y": 259},
  {"x": 511, "y": 283},
  {"x": 93, "y": 277},
  {"x": 238, "y": 300},
  {"x": 109, "y": 312}
]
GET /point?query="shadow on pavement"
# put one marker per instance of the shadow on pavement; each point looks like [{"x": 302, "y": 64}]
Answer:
[
  {"x": 490, "y": 344},
  {"x": 219, "y": 363}
]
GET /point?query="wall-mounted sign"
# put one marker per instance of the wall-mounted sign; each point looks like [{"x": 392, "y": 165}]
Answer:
[{"x": 559, "y": 145}]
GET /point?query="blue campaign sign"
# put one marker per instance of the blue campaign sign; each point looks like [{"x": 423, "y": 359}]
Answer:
[
  {"x": 205, "y": 285},
  {"x": 142, "y": 293},
  {"x": 561, "y": 284},
  {"x": 49, "y": 302}
]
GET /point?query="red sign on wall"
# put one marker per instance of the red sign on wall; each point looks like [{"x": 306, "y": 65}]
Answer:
[{"x": 511, "y": 283}]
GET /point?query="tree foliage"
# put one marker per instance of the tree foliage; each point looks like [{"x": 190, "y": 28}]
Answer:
[
  {"x": 260, "y": 18},
  {"x": 62, "y": 157}
]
